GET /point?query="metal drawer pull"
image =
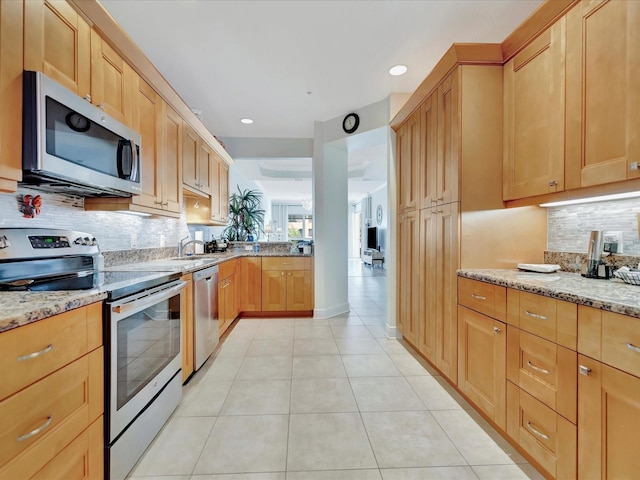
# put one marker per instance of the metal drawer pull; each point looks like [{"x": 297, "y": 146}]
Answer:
[
  {"x": 35, "y": 354},
  {"x": 535, "y": 315},
  {"x": 584, "y": 370},
  {"x": 536, "y": 432},
  {"x": 537, "y": 369},
  {"x": 631, "y": 346},
  {"x": 496, "y": 330},
  {"x": 478, "y": 297},
  {"x": 37, "y": 430}
]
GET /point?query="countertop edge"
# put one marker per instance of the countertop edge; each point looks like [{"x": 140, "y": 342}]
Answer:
[
  {"x": 497, "y": 277},
  {"x": 49, "y": 307}
]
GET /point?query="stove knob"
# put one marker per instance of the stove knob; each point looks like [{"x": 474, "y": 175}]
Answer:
[
  {"x": 94, "y": 242},
  {"x": 78, "y": 241},
  {"x": 4, "y": 242},
  {"x": 87, "y": 241}
]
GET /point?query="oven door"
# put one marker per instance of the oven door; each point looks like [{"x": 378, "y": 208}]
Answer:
[{"x": 144, "y": 339}]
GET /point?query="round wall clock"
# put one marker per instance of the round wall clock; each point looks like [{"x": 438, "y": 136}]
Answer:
[
  {"x": 379, "y": 214},
  {"x": 351, "y": 122}
]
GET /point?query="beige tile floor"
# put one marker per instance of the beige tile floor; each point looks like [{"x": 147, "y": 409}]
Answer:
[{"x": 303, "y": 399}]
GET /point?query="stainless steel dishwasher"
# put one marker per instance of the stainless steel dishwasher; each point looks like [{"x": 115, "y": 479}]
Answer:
[{"x": 205, "y": 312}]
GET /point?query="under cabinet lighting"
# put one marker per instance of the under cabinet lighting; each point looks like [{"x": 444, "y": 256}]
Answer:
[
  {"x": 602, "y": 198},
  {"x": 137, "y": 214}
]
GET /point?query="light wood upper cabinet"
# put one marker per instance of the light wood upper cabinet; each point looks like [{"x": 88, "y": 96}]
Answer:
[
  {"x": 171, "y": 151},
  {"x": 111, "y": 87},
  {"x": 534, "y": 102},
  {"x": 449, "y": 145},
  {"x": 223, "y": 188},
  {"x": 11, "y": 42},
  {"x": 196, "y": 159},
  {"x": 429, "y": 145},
  {"x": 57, "y": 41},
  {"x": 408, "y": 163},
  {"x": 603, "y": 94}
]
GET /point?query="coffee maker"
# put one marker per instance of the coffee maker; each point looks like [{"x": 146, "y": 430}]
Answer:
[{"x": 594, "y": 266}]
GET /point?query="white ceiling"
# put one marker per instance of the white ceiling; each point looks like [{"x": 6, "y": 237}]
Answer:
[{"x": 287, "y": 64}]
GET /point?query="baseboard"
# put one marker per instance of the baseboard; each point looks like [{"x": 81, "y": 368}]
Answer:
[
  {"x": 392, "y": 331},
  {"x": 321, "y": 313}
]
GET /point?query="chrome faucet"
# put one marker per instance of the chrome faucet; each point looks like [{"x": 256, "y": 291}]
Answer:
[{"x": 182, "y": 245}]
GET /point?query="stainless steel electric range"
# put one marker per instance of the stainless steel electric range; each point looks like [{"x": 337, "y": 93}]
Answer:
[{"x": 141, "y": 330}]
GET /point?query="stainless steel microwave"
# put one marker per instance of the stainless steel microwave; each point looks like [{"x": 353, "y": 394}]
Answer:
[{"x": 74, "y": 147}]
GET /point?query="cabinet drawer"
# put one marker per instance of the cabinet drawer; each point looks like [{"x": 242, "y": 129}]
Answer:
[
  {"x": 286, "y": 263},
  {"x": 483, "y": 297},
  {"x": 59, "y": 407},
  {"x": 610, "y": 337},
  {"x": 544, "y": 370},
  {"x": 548, "y": 437},
  {"x": 228, "y": 268},
  {"x": 33, "y": 351},
  {"x": 555, "y": 320}
]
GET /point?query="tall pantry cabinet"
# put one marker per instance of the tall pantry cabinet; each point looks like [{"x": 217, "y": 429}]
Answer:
[{"x": 454, "y": 216}]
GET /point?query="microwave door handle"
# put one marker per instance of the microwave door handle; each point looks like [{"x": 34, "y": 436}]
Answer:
[
  {"x": 125, "y": 145},
  {"x": 134, "y": 161}
]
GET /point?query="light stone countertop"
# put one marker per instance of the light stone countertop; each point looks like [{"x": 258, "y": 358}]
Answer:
[
  {"x": 611, "y": 295},
  {"x": 21, "y": 308}
]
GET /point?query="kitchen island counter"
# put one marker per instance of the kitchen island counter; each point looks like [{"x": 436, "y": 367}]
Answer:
[{"x": 611, "y": 295}]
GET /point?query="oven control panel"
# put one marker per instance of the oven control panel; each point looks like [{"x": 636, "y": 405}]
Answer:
[
  {"x": 29, "y": 243},
  {"x": 48, "y": 241}
]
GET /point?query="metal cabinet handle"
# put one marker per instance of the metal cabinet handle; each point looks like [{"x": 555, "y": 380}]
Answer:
[
  {"x": 631, "y": 346},
  {"x": 101, "y": 106},
  {"x": 496, "y": 330},
  {"x": 537, "y": 432},
  {"x": 584, "y": 370},
  {"x": 553, "y": 183},
  {"x": 478, "y": 297},
  {"x": 282, "y": 273},
  {"x": 87, "y": 97},
  {"x": 29, "y": 356},
  {"x": 537, "y": 369},
  {"x": 534, "y": 315},
  {"x": 289, "y": 273},
  {"x": 37, "y": 430}
]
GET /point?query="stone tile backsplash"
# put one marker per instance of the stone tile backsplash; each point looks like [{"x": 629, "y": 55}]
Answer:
[
  {"x": 568, "y": 227},
  {"x": 114, "y": 231}
]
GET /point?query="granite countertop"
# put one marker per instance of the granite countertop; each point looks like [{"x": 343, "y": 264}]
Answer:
[
  {"x": 612, "y": 295},
  {"x": 21, "y": 308}
]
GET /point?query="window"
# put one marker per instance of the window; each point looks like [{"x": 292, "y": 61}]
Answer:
[{"x": 300, "y": 226}]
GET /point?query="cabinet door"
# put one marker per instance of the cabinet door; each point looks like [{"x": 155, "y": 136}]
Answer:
[
  {"x": 190, "y": 157},
  {"x": 10, "y": 95},
  {"x": 250, "y": 284},
  {"x": 603, "y": 69},
  {"x": 447, "y": 254},
  {"x": 534, "y": 96},
  {"x": 224, "y": 191},
  {"x": 408, "y": 294},
  {"x": 482, "y": 350},
  {"x": 171, "y": 161},
  {"x": 429, "y": 162},
  {"x": 274, "y": 290},
  {"x": 408, "y": 163},
  {"x": 427, "y": 282},
  {"x": 147, "y": 120},
  {"x": 232, "y": 298},
  {"x": 298, "y": 290},
  {"x": 205, "y": 156},
  {"x": 187, "y": 328},
  {"x": 57, "y": 41},
  {"x": 608, "y": 422},
  {"x": 216, "y": 213},
  {"x": 448, "y": 139},
  {"x": 110, "y": 81}
]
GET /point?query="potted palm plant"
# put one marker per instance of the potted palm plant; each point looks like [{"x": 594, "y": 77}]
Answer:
[{"x": 245, "y": 216}]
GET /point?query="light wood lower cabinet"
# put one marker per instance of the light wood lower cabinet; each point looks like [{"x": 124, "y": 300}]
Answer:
[
  {"x": 188, "y": 358},
  {"x": 482, "y": 348},
  {"x": 228, "y": 306},
  {"x": 286, "y": 284},
  {"x": 53, "y": 397},
  {"x": 408, "y": 318},
  {"x": 250, "y": 284}
]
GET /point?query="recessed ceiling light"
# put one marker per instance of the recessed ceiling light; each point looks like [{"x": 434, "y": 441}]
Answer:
[
  {"x": 398, "y": 70},
  {"x": 246, "y": 121}
]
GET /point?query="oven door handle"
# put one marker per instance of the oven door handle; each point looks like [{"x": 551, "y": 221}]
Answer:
[{"x": 141, "y": 304}]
